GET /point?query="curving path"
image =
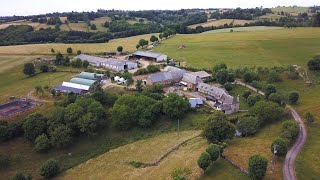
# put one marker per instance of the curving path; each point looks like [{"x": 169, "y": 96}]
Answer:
[{"x": 288, "y": 166}]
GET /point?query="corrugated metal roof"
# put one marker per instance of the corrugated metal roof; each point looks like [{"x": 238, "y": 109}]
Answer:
[
  {"x": 190, "y": 78},
  {"x": 218, "y": 93},
  {"x": 167, "y": 76},
  {"x": 92, "y": 76},
  {"x": 147, "y": 54},
  {"x": 82, "y": 81},
  {"x": 74, "y": 85},
  {"x": 201, "y": 74},
  {"x": 96, "y": 60},
  {"x": 67, "y": 89}
]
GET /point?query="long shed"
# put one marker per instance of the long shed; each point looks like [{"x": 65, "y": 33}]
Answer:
[{"x": 82, "y": 81}]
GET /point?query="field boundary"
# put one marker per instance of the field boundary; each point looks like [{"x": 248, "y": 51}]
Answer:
[{"x": 166, "y": 154}]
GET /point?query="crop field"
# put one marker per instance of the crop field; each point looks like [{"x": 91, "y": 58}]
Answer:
[
  {"x": 290, "y": 9},
  {"x": 256, "y": 48},
  {"x": 129, "y": 44},
  {"x": 221, "y": 22}
]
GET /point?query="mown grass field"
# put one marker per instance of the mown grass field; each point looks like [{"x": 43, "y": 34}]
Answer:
[
  {"x": 256, "y": 48},
  {"x": 243, "y": 29},
  {"x": 115, "y": 164},
  {"x": 290, "y": 9},
  {"x": 14, "y": 83},
  {"x": 221, "y": 22},
  {"x": 129, "y": 44}
]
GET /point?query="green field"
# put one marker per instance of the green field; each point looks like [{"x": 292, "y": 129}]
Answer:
[
  {"x": 243, "y": 29},
  {"x": 129, "y": 44},
  {"x": 308, "y": 162},
  {"x": 221, "y": 22},
  {"x": 256, "y": 48}
]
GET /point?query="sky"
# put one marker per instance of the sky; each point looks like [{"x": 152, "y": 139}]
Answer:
[{"x": 33, "y": 7}]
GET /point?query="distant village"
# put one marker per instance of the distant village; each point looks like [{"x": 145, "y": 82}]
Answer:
[{"x": 174, "y": 79}]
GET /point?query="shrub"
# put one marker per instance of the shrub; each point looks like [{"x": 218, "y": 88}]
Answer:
[
  {"x": 293, "y": 97},
  {"x": 257, "y": 167},
  {"x": 49, "y": 169},
  {"x": 309, "y": 118},
  {"x": 20, "y": 176},
  {"x": 276, "y": 98},
  {"x": 252, "y": 100},
  {"x": 266, "y": 111},
  {"x": 279, "y": 147},
  {"x": 269, "y": 90},
  {"x": 246, "y": 94},
  {"x": 274, "y": 77},
  {"x": 290, "y": 130},
  {"x": 42, "y": 143},
  {"x": 248, "y": 125},
  {"x": 34, "y": 125},
  {"x": 61, "y": 136},
  {"x": 218, "y": 128},
  {"x": 204, "y": 161},
  {"x": 228, "y": 86},
  {"x": 214, "y": 151},
  {"x": 181, "y": 173},
  {"x": 44, "y": 68},
  {"x": 4, "y": 161}
]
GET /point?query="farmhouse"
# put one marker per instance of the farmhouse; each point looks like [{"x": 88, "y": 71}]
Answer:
[
  {"x": 222, "y": 100},
  {"x": 191, "y": 81},
  {"x": 109, "y": 63},
  {"x": 151, "y": 56}
]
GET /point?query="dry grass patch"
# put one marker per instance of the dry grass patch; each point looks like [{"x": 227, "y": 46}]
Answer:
[
  {"x": 221, "y": 22},
  {"x": 115, "y": 163},
  {"x": 129, "y": 44}
]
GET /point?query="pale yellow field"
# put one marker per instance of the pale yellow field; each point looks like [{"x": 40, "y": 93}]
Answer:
[
  {"x": 5, "y": 25},
  {"x": 44, "y": 26},
  {"x": 114, "y": 164},
  {"x": 77, "y": 26},
  {"x": 221, "y": 22},
  {"x": 99, "y": 23},
  {"x": 129, "y": 44}
]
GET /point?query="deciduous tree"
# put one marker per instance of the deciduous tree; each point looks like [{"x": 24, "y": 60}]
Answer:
[{"x": 257, "y": 167}]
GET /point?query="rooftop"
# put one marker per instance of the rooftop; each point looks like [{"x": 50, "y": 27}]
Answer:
[
  {"x": 82, "y": 81},
  {"x": 201, "y": 74},
  {"x": 94, "y": 59},
  {"x": 67, "y": 89},
  {"x": 147, "y": 54}
]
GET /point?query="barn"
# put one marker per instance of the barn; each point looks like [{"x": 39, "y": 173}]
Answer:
[
  {"x": 108, "y": 63},
  {"x": 151, "y": 56}
]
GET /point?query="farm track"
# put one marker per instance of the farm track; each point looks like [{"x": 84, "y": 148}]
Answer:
[{"x": 288, "y": 166}]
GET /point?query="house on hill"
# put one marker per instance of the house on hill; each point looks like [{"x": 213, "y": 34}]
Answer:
[
  {"x": 147, "y": 55},
  {"x": 221, "y": 98},
  {"x": 108, "y": 63}
]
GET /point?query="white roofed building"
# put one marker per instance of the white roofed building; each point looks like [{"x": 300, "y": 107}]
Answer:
[
  {"x": 77, "y": 86},
  {"x": 147, "y": 55}
]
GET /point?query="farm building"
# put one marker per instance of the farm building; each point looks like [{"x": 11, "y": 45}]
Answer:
[
  {"x": 222, "y": 100},
  {"x": 92, "y": 76},
  {"x": 194, "y": 102},
  {"x": 109, "y": 63},
  {"x": 77, "y": 86},
  {"x": 166, "y": 78},
  {"x": 202, "y": 74},
  {"x": 82, "y": 81},
  {"x": 191, "y": 81},
  {"x": 151, "y": 56},
  {"x": 65, "y": 89}
]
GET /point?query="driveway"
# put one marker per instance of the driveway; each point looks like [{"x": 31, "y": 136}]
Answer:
[{"x": 288, "y": 166}]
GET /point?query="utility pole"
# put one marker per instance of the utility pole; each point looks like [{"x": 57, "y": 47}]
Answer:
[{"x": 274, "y": 155}]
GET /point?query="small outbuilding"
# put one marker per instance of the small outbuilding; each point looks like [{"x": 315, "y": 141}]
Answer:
[{"x": 194, "y": 102}]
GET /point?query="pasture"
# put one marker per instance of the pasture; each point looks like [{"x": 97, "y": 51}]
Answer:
[
  {"x": 307, "y": 162},
  {"x": 290, "y": 9},
  {"x": 221, "y": 22},
  {"x": 243, "y": 29},
  {"x": 267, "y": 48},
  {"x": 129, "y": 44}
]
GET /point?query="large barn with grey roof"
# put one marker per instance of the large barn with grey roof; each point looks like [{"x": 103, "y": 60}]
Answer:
[
  {"x": 151, "y": 56},
  {"x": 108, "y": 63}
]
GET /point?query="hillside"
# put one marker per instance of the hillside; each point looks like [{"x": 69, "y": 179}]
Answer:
[{"x": 256, "y": 48}]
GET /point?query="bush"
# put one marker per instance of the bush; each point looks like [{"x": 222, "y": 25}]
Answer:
[
  {"x": 204, "y": 161},
  {"x": 252, "y": 100},
  {"x": 214, "y": 151},
  {"x": 290, "y": 130},
  {"x": 42, "y": 143},
  {"x": 50, "y": 169},
  {"x": 61, "y": 136},
  {"x": 44, "y": 68},
  {"x": 309, "y": 118},
  {"x": 218, "y": 128},
  {"x": 257, "y": 167},
  {"x": 269, "y": 90},
  {"x": 274, "y": 77},
  {"x": 293, "y": 97},
  {"x": 279, "y": 147},
  {"x": 314, "y": 63},
  {"x": 180, "y": 173},
  {"x": 246, "y": 94},
  {"x": 248, "y": 125},
  {"x": 20, "y": 176},
  {"x": 34, "y": 125},
  {"x": 4, "y": 161},
  {"x": 267, "y": 112},
  {"x": 276, "y": 98},
  {"x": 228, "y": 86}
]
